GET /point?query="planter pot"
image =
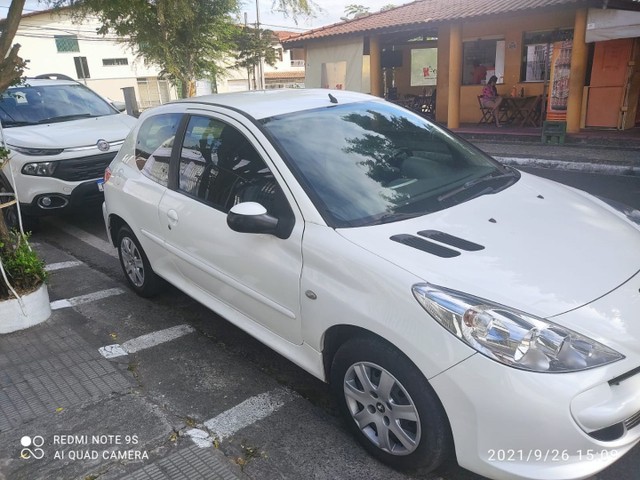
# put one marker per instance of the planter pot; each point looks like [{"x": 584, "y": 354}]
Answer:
[{"x": 37, "y": 309}]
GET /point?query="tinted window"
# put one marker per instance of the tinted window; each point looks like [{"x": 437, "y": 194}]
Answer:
[
  {"x": 154, "y": 144},
  {"x": 219, "y": 166},
  {"x": 373, "y": 162}
]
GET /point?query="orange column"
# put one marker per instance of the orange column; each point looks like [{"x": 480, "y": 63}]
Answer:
[
  {"x": 455, "y": 76},
  {"x": 375, "y": 67},
  {"x": 579, "y": 54}
]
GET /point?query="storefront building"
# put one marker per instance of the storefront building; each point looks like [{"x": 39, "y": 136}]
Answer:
[{"x": 580, "y": 58}]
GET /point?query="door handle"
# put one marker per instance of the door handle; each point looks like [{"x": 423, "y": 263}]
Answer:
[{"x": 172, "y": 216}]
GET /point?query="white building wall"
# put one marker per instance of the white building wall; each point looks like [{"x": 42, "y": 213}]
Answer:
[
  {"x": 326, "y": 61},
  {"x": 36, "y": 36}
]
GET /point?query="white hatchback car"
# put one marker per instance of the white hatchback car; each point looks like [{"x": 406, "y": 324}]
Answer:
[
  {"x": 457, "y": 306},
  {"x": 61, "y": 136}
]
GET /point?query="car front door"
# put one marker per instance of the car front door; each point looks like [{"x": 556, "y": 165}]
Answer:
[{"x": 248, "y": 278}]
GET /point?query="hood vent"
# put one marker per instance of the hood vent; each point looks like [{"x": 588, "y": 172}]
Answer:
[
  {"x": 457, "y": 242},
  {"x": 436, "y": 248},
  {"x": 425, "y": 245}
]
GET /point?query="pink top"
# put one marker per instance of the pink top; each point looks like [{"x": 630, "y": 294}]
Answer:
[{"x": 489, "y": 92}]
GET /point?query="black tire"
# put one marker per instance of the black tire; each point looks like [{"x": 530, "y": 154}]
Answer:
[
  {"x": 417, "y": 435},
  {"x": 135, "y": 265}
]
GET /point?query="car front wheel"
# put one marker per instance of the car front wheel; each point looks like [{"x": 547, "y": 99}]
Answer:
[
  {"x": 135, "y": 265},
  {"x": 390, "y": 406}
]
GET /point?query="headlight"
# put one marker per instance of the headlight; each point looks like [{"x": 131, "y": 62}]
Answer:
[
  {"x": 37, "y": 152},
  {"x": 40, "y": 169},
  {"x": 512, "y": 337}
]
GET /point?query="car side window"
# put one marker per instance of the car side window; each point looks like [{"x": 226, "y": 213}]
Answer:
[
  {"x": 154, "y": 144},
  {"x": 219, "y": 166}
]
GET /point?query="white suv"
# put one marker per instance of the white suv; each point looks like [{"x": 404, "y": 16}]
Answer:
[{"x": 61, "y": 135}]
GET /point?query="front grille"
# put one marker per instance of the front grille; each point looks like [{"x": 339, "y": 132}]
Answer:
[
  {"x": 632, "y": 421},
  {"x": 84, "y": 168}
]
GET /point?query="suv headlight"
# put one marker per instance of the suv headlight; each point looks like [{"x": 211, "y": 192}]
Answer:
[
  {"x": 40, "y": 169},
  {"x": 510, "y": 336}
]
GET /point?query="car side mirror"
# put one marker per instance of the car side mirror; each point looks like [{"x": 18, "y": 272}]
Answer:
[{"x": 251, "y": 217}]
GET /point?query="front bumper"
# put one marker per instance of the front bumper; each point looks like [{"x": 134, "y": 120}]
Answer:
[
  {"x": 512, "y": 424},
  {"x": 515, "y": 424},
  {"x": 85, "y": 194}
]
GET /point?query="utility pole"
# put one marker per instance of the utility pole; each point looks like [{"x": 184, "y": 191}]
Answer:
[{"x": 260, "y": 64}]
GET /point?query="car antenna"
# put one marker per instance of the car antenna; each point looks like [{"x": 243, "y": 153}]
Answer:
[{"x": 333, "y": 99}]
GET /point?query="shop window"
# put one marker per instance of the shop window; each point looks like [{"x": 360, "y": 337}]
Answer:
[
  {"x": 482, "y": 59},
  {"x": 424, "y": 66},
  {"x": 537, "y": 51}
]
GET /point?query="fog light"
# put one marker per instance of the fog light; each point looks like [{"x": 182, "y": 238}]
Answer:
[{"x": 45, "y": 201}]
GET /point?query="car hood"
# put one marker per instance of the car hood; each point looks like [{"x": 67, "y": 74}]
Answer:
[
  {"x": 537, "y": 246},
  {"x": 74, "y": 133}
]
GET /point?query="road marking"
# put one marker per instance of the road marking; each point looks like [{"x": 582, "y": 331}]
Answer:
[
  {"x": 145, "y": 341},
  {"x": 242, "y": 415},
  {"x": 88, "y": 238},
  {"x": 60, "y": 265},
  {"x": 91, "y": 297}
]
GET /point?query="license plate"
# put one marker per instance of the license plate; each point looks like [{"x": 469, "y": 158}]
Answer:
[{"x": 100, "y": 184}]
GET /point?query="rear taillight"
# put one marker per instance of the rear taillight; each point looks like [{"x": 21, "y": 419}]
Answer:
[{"x": 107, "y": 174}]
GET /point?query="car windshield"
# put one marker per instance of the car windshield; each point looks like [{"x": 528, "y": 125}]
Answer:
[
  {"x": 372, "y": 162},
  {"x": 32, "y": 105}
]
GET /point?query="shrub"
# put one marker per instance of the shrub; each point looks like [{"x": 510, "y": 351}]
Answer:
[{"x": 25, "y": 271}]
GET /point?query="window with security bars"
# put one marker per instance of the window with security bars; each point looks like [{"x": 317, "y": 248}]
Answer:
[
  {"x": 537, "y": 50},
  {"x": 112, "y": 62},
  {"x": 67, "y": 43}
]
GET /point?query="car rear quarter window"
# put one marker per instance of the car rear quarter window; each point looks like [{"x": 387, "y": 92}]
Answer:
[{"x": 154, "y": 144}]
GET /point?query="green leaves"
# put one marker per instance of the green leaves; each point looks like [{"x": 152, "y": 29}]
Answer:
[{"x": 24, "y": 268}]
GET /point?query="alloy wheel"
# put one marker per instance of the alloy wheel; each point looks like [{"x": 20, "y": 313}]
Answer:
[
  {"x": 132, "y": 262},
  {"x": 382, "y": 409}
]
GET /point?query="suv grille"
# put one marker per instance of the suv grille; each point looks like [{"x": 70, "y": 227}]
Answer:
[{"x": 85, "y": 168}]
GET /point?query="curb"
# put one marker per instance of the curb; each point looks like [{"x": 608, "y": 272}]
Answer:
[{"x": 584, "y": 167}]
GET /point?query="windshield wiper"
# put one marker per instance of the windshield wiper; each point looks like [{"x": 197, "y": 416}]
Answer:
[
  {"x": 485, "y": 178},
  {"x": 13, "y": 123},
  {"x": 394, "y": 217},
  {"x": 62, "y": 118}
]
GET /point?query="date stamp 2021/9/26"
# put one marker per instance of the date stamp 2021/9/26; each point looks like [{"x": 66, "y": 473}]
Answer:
[{"x": 551, "y": 455}]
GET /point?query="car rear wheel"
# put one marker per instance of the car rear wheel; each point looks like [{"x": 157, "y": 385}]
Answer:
[
  {"x": 390, "y": 406},
  {"x": 135, "y": 265}
]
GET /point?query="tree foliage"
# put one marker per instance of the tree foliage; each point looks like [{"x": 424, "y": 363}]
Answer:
[
  {"x": 354, "y": 11},
  {"x": 187, "y": 38}
]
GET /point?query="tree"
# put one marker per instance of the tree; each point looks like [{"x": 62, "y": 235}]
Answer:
[
  {"x": 355, "y": 11},
  {"x": 186, "y": 38},
  {"x": 12, "y": 66},
  {"x": 251, "y": 46}
]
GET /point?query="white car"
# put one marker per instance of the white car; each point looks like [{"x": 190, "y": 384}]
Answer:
[
  {"x": 457, "y": 306},
  {"x": 61, "y": 136}
]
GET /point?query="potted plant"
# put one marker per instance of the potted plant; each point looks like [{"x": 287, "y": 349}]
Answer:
[{"x": 24, "y": 298}]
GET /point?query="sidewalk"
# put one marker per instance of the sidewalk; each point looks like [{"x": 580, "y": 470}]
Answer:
[{"x": 602, "y": 151}]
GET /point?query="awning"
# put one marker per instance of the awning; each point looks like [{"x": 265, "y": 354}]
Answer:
[{"x": 609, "y": 24}]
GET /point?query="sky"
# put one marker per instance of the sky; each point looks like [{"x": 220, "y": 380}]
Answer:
[{"x": 329, "y": 12}]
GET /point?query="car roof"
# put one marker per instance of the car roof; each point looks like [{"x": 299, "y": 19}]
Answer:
[
  {"x": 268, "y": 103},
  {"x": 43, "y": 82}
]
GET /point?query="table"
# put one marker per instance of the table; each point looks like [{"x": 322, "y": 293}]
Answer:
[{"x": 521, "y": 110}]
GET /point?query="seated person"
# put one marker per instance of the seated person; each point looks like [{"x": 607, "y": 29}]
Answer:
[{"x": 491, "y": 99}]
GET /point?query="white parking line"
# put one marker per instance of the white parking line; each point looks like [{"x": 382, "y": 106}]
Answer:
[
  {"x": 60, "y": 265},
  {"x": 89, "y": 239},
  {"x": 242, "y": 415},
  {"x": 145, "y": 341},
  {"x": 90, "y": 297}
]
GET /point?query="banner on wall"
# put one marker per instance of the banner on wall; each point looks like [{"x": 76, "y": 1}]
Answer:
[
  {"x": 424, "y": 66},
  {"x": 559, "y": 81}
]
